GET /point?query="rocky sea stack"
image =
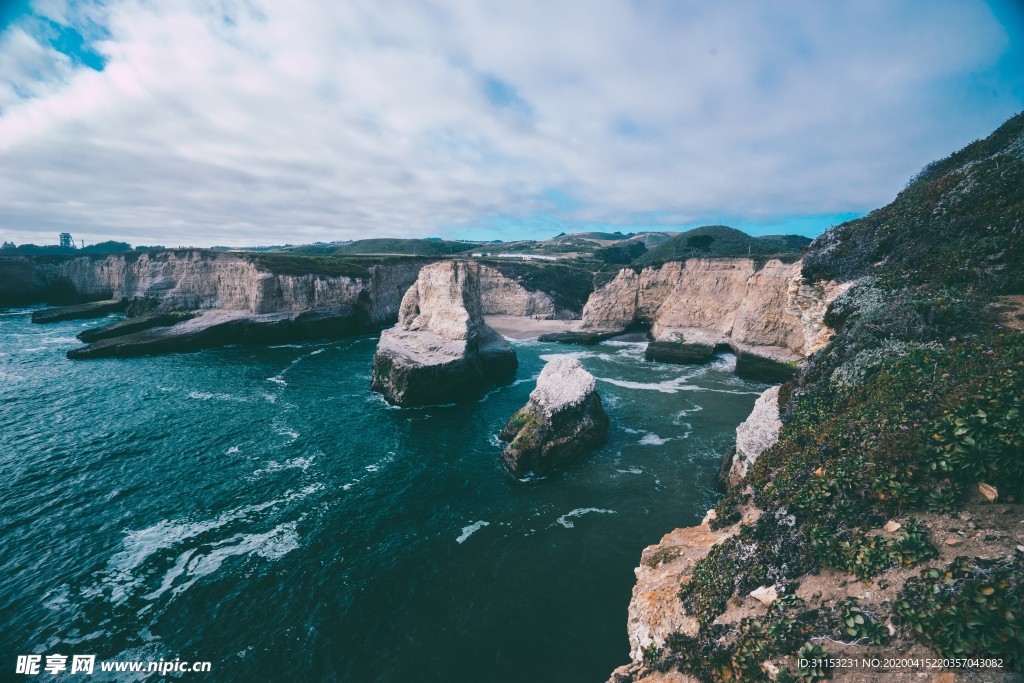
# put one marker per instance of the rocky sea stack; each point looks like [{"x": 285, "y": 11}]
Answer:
[
  {"x": 562, "y": 422},
  {"x": 441, "y": 350}
]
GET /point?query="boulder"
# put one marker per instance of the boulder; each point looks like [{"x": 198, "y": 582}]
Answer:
[
  {"x": 562, "y": 421},
  {"x": 441, "y": 350}
]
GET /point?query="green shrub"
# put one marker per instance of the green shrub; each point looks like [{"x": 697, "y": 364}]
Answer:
[{"x": 973, "y": 607}]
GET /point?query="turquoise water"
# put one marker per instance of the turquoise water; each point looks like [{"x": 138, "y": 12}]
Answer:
[{"x": 261, "y": 509}]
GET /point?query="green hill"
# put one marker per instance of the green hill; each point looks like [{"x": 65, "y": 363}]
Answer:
[
  {"x": 720, "y": 241},
  {"x": 416, "y": 247},
  {"x": 959, "y": 221}
]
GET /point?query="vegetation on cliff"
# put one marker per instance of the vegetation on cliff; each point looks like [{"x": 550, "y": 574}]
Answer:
[{"x": 914, "y": 411}]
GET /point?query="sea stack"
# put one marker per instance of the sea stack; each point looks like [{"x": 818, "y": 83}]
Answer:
[
  {"x": 562, "y": 421},
  {"x": 441, "y": 350}
]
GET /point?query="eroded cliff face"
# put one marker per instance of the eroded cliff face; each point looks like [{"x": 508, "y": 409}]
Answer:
[
  {"x": 772, "y": 311},
  {"x": 198, "y": 280},
  {"x": 500, "y": 295}
]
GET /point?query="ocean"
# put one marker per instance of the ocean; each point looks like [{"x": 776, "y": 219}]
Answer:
[{"x": 259, "y": 508}]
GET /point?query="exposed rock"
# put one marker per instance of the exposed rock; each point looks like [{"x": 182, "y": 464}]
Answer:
[
  {"x": 441, "y": 349},
  {"x": 990, "y": 492},
  {"x": 756, "y": 434},
  {"x": 217, "y": 327},
  {"x": 132, "y": 325},
  {"x": 766, "y": 595},
  {"x": 892, "y": 525},
  {"x": 501, "y": 295},
  {"x": 93, "y": 309},
  {"x": 655, "y": 610},
  {"x": 771, "y": 312},
  {"x": 585, "y": 338},
  {"x": 562, "y": 421},
  {"x": 724, "y": 468},
  {"x": 679, "y": 352},
  {"x": 763, "y": 369}
]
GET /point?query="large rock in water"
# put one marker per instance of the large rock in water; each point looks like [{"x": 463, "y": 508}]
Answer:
[
  {"x": 441, "y": 350},
  {"x": 562, "y": 421}
]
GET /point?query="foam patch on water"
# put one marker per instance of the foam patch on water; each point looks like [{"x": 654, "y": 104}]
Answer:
[
  {"x": 651, "y": 439},
  {"x": 566, "y": 519},
  {"x": 630, "y": 470},
  {"x": 278, "y": 380},
  {"x": 669, "y": 386},
  {"x": 233, "y": 450},
  {"x": 197, "y": 554},
  {"x": 579, "y": 355},
  {"x": 468, "y": 531},
  {"x": 210, "y": 396}
]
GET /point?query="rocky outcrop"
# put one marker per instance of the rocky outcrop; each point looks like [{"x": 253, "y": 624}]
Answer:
[
  {"x": 768, "y": 312},
  {"x": 562, "y": 421},
  {"x": 441, "y": 349},
  {"x": 756, "y": 434},
  {"x": 87, "y": 310},
  {"x": 655, "y": 610}
]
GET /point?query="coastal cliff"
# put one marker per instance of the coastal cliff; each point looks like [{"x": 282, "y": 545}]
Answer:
[
  {"x": 875, "y": 507},
  {"x": 230, "y": 297},
  {"x": 441, "y": 349},
  {"x": 771, "y": 311}
]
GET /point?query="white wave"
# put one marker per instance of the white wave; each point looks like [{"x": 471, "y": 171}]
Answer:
[
  {"x": 677, "y": 419},
  {"x": 277, "y": 379},
  {"x": 285, "y": 346},
  {"x": 495, "y": 441},
  {"x": 313, "y": 353},
  {"x": 233, "y": 450},
  {"x": 671, "y": 386},
  {"x": 194, "y": 565},
  {"x": 294, "y": 463},
  {"x": 651, "y": 439},
  {"x": 125, "y": 572},
  {"x": 630, "y": 470},
  {"x": 468, "y": 531},
  {"x": 576, "y": 354},
  {"x": 210, "y": 396},
  {"x": 285, "y": 431},
  {"x": 61, "y": 340},
  {"x": 564, "y": 520},
  {"x": 376, "y": 466}
]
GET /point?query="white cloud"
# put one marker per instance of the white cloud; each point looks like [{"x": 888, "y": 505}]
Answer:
[{"x": 241, "y": 122}]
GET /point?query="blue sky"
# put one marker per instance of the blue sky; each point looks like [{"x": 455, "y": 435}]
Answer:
[{"x": 260, "y": 122}]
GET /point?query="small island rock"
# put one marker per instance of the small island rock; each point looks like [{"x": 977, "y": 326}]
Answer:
[{"x": 562, "y": 421}]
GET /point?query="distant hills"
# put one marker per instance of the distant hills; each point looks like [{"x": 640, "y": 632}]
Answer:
[
  {"x": 720, "y": 241},
  {"x": 600, "y": 249}
]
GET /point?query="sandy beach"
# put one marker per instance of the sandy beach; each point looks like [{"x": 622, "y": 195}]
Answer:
[{"x": 523, "y": 327}]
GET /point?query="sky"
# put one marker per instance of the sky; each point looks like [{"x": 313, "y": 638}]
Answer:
[{"x": 255, "y": 122}]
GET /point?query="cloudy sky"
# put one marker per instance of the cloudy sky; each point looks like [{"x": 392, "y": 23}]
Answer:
[{"x": 263, "y": 122}]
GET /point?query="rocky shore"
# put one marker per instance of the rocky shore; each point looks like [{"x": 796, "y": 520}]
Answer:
[{"x": 562, "y": 422}]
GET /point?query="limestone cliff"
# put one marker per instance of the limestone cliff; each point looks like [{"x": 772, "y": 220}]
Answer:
[
  {"x": 562, "y": 421},
  {"x": 771, "y": 312},
  {"x": 501, "y": 295},
  {"x": 441, "y": 349}
]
